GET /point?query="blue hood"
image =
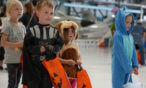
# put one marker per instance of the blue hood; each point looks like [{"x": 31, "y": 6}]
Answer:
[{"x": 120, "y": 21}]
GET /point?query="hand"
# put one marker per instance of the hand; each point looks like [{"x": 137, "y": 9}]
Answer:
[
  {"x": 50, "y": 47},
  {"x": 20, "y": 44},
  {"x": 135, "y": 70},
  {"x": 17, "y": 49},
  {"x": 42, "y": 49},
  {"x": 131, "y": 72},
  {"x": 79, "y": 62},
  {"x": 71, "y": 62}
]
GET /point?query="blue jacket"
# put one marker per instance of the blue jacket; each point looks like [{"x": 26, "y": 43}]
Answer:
[{"x": 124, "y": 57}]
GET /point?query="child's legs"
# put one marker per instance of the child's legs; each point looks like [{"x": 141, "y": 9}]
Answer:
[
  {"x": 14, "y": 74},
  {"x": 141, "y": 49},
  {"x": 2, "y": 52},
  {"x": 45, "y": 79},
  {"x": 73, "y": 82}
]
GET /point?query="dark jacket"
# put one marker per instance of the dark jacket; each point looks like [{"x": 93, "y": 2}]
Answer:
[{"x": 25, "y": 19}]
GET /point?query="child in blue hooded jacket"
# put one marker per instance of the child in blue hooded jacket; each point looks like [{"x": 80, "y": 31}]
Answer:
[{"x": 124, "y": 59}]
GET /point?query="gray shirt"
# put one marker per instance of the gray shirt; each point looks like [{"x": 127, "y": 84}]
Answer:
[{"x": 15, "y": 34}]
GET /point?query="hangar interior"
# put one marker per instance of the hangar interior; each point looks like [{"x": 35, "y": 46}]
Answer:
[{"x": 95, "y": 19}]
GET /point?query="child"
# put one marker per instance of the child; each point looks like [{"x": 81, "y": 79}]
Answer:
[
  {"x": 12, "y": 39},
  {"x": 69, "y": 54},
  {"x": 42, "y": 41},
  {"x": 124, "y": 59}
]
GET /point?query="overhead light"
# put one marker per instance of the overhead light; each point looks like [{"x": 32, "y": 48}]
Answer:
[{"x": 56, "y": 17}]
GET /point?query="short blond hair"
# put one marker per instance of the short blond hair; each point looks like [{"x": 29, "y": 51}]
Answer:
[
  {"x": 43, "y": 3},
  {"x": 10, "y": 3}
]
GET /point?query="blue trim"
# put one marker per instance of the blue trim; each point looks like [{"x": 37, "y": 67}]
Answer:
[{"x": 98, "y": 7}]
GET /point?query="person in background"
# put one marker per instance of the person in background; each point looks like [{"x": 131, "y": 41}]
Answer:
[
  {"x": 2, "y": 51},
  {"x": 34, "y": 2},
  {"x": 124, "y": 59},
  {"x": 28, "y": 18},
  {"x": 3, "y": 11},
  {"x": 13, "y": 34},
  {"x": 138, "y": 33}
]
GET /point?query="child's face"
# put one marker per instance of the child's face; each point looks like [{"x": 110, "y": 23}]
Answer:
[
  {"x": 16, "y": 11},
  {"x": 128, "y": 22},
  {"x": 45, "y": 15},
  {"x": 69, "y": 34}
]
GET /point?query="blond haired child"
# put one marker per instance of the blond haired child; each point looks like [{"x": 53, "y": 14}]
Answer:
[
  {"x": 42, "y": 41},
  {"x": 12, "y": 39}
]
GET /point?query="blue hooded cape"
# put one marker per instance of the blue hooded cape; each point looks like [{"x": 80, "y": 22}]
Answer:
[{"x": 124, "y": 57}]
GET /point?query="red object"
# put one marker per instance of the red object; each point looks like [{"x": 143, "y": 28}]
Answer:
[
  {"x": 138, "y": 57},
  {"x": 24, "y": 86},
  {"x": 83, "y": 80},
  {"x": 101, "y": 44},
  {"x": 21, "y": 60},
  {"x": 57, "y": 74}
]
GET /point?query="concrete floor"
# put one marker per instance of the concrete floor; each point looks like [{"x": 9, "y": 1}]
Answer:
[{"x": 97, "y": 62}]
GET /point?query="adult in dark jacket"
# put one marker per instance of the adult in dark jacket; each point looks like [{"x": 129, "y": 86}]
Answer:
[{"x": 28, "y": 18}]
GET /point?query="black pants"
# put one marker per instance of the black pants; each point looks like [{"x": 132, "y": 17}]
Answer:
[
  {"x": 140, "y": 46},
  {"x": 2, "y": 52},
  {"x": 14, "y": 75},
  {"x": 43, "y": 81}
]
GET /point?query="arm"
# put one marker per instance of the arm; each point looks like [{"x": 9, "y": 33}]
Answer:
[
  {"x": 134, "y": 61},
  {"x": 79, "y": 61},
  {"x": 64, "y": 61},
  {"x": 5, "y": 43},
  {"x": 134, "y": 58},
  {"x": 31, "y": 44},
  {"x": 120, "y": 54},
  {"x": 6, "y": 30},
  {"x": 144, "y": 34},
  {"x": 58, "y": 43}
]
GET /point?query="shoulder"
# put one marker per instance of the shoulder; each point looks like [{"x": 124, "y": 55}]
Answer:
[
  {"x": 54, "y": 29},
  {"x": 6, "y": 23},
  {"x": 21, "y": 25},
  {"x": 34, "y": 29},
  {"x": 6, "y": 26},
  {"x": 117, "y": 37}
]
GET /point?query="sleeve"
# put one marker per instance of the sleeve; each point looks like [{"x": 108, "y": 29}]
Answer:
[
  {"x": 134, "y": 58},
  {"x": 144, "y": 29},
  {"x": 120, "y": 54},
  {"x": 58, "y": 43},
  {"x": 6, "y": 28},
  {"x": 31, "y": 43}
]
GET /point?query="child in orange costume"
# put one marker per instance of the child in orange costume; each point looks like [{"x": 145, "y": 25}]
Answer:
[{"x": 69, "y": 54}]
